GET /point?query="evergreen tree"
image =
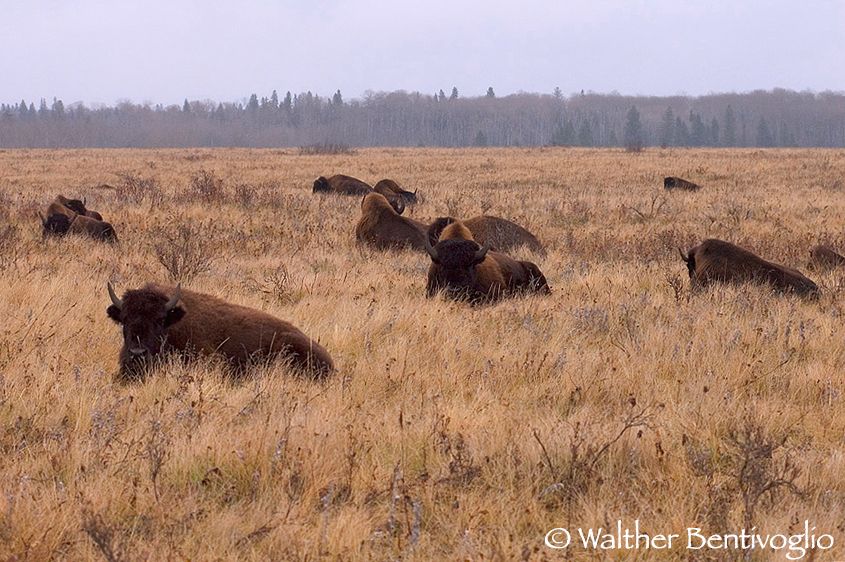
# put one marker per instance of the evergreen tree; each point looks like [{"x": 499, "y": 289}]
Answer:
[
  {"x": 454, "y": 95},
  {"x": 337, "y": 99},
  {"x": 558, "y": 93},
  {"x": 480, "y": 139},
  {"x": 730, "y": 127},
  {"x": 58, "y": 108},
  {"x": 764, "y": 135},
  {"x": 274, "y": 100},
  {"x": 698, "y": 132},
  {"x": 186, "y": 107},
  {"x": 633, "y": 133},
  {"x": 251, "y": 105},
  {"x": 585, "y": 134},
  {"x": 681, "y": 133},
  {"x": 42, "y": 109},
  {"x": 22, "y": 110},
  {"x": 490, "y": 92},
  {"x": 714, "y": 132},
  {"x": 442, "y": 95},
  {"x": 667, "y": 128}
]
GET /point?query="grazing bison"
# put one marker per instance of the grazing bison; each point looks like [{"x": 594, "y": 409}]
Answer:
[
  {"x": 78, "y": 207},
  {"x": 678, "y": 183},
  {"x": 342, "y": 185},
  {"x": 824, "y": 257},
  {"x": 719, "y": 261},
  {"x": 497, "y": 233},
  {"x": 463, "y": 270},
  {"x": 159, "y": 318},
  {"x": 389, "y": 187},
  {"x": 382, "y": 227}
]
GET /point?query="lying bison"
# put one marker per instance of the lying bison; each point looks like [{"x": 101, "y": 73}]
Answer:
[
  {"x": 78, "y": 207},
  {"x": 341, "y": 185},
  {"x": 390, "y": 188},
  {"x": 158, "y": 318},
  {"x": 825, "y": 257},
  {"x": 497, "y": 233},
  {"x": 672, "y": 182},
  {"x": 382, "y": 227},
  {"x": 719, "y": 261},
  {"x": 463, "y": 270},
  {"x": 58, "y": 224}
]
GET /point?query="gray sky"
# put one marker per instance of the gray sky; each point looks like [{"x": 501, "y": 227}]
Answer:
[{"x": 167, "y": 50}]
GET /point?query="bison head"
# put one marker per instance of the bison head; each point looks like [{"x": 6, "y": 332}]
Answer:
[
  {"x": 74, "y": 205},
  {"x": 454, "y": 268},
  {"x": 668, "y": 183},
  {"x": 145, "y": 316},
  {"x": 321, "y": 185}
]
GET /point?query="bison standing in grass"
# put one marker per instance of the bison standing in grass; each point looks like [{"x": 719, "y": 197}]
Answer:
[
  {"x": 382, "y": 227},
  {"x": 717, "y": 261},
  {"x": 497, "y": 233},
  {"x": 160, "y": 318},
  {"x": 463, "y": 270}
]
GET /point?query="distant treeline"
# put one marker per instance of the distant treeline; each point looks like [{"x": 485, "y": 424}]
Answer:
[{"x": 760, "y": 119}]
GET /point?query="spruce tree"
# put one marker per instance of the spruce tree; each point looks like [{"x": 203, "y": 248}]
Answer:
[{"x": 633, "y": 133}]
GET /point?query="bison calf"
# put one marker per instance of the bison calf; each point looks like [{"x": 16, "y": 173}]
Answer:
[
  {"x": 463, "y": 270},
  {"x": 159, "y": 318},
  {"x": 720, "y": 261}
]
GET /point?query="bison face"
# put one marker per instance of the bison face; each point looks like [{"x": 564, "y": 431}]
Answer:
[
  {"x": 76, "y": 206},
  {"x": 321, "y": 185},
  {"x": 145, "y": 316},
  {"x": 455, "y": 269},
  {"x": 668, "y": 183}
]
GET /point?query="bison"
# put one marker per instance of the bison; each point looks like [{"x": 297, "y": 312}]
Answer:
[
  {"x": 391, "y": 188},
  {"x": 159, "y": 318},
  {"x": 342, "y": 185},
  {"x": 78, "y": 207},
  {"x": 824, "y": 257},
  {"x": 672, "y": 182},
  {"x": 720, "y": 261},
  {"x": 382, "y": 227},
  {"x": 498, "y": 233},
  {"x": 463, "y": 270},
  {"x": 93, "y": 228}
]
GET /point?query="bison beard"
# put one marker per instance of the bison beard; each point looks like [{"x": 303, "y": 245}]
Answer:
[
  {"x": 463, "y": 270},
  {"x": 718, "y": 261},
  {"x": 158, "y": 319}
]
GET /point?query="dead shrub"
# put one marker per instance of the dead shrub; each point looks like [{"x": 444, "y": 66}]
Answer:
[
  {"x": 185, "y": 251},
  {"x": 135, "y": 189},
  {"x": 325, "y": 148},
  {"x": 206, "y": 186}
]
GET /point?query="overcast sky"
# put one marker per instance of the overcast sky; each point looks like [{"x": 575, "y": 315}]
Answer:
[{"x": 168, "y": 50}]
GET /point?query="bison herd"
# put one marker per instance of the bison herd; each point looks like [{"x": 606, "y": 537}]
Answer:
[{"x": 468, "y": 262}]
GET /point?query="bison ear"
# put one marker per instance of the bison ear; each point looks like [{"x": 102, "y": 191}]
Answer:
[
  {"x": 114, "y": 313},
  {"x": 174, "y": 315}
]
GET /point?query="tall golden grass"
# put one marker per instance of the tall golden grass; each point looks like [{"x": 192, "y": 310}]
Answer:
[{"x": 448, "y": 432}]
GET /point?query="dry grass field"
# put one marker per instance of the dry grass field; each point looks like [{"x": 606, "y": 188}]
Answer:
[{"x": 449, "y": 432}]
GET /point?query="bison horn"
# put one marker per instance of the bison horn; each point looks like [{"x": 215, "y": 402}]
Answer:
[
  {"x": 115, "y": 301},
  {"x": 84, "y": 199},
  {"x": 479, "y": 255},
  {"x": 174, "y": 300},
  {"x": 43, "y": 219},
  {"x": 683, "y": 255},
  {"x": 430, "y": 249},
  {"x": 400, "y": 206}
]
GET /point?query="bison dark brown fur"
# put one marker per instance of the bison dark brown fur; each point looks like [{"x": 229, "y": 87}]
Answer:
[
  {"x": 78, "y": 207},
  {"x": 159, "y": 318},
  {"x": 719, "y": 261},
  {"x": 97, "y": 229},
  {"x": 342, "y": 185},
  {"x": 463, "y": 270},
  {"x": 382, "y": 227},
  {"x": 389, "y": 187},
  {"x": 498, "y": 233},
  {"x": 825, "y": 257},
  {"x": 672, "y": 182}
]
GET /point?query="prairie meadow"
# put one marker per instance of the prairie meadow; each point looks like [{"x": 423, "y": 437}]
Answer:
[{"x": 448, "y": 432}]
